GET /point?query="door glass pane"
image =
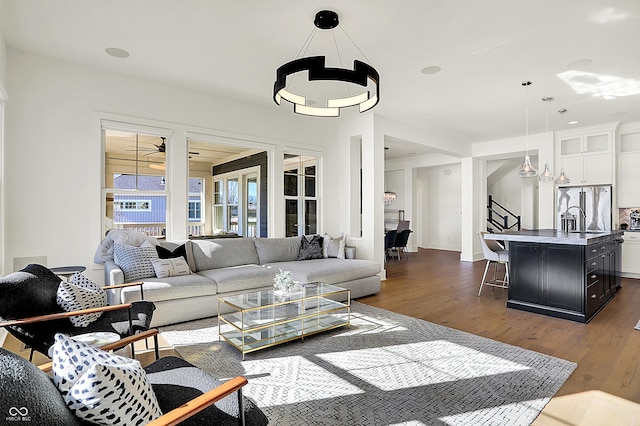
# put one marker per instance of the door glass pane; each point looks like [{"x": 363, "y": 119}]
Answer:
[
  {"x": 291, "y": 182},
  {"x": 232, "y": 205},
  {"x": 232, "y": 218},
  {"x": 291, "y": 218},
  {"x": 252, "y": 206},
  {"x": 232, "y": 191},
  {"x": 218, "y": 205},
  {"x": 310, "y": 219}
]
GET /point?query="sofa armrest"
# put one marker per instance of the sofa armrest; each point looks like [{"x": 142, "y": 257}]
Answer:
[
  {"x": 117, "y": 287},
  {"x": 113, "y": 275}
]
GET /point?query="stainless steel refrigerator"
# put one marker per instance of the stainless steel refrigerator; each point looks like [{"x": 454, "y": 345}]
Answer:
[{"x": 584, "y": 208}]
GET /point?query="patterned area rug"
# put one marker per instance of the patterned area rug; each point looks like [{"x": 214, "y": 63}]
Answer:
[{"x": 387, "y": 369}]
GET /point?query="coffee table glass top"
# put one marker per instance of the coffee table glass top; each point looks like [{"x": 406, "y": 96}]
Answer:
[
  {"x": 264, "y": 298},
  {"x": 266, "y": 318}
]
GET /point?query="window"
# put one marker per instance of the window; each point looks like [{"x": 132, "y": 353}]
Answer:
[
  {"x": 194, "y": 207},
  {"x": 300, "y": 193},
  {"x": 132, "y": 205},
  {"x": 195, "y": 211},
  {"x": 135, "y": 184}
]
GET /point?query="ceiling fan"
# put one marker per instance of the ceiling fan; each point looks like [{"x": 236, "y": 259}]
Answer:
[{"x": 160, "y": 148}]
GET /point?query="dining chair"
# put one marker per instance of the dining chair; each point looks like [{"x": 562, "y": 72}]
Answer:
[{"x": 389, "y": 241}]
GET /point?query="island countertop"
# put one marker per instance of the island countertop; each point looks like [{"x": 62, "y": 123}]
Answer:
[{"x": 552, "y": 236}]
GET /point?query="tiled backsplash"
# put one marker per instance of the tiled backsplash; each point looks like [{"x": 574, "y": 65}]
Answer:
[{"x": 623, "y": 215}]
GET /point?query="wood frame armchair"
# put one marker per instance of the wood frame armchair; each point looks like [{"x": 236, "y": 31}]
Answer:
[
  {"x": 189, "y": 408},
  {"x": 30, "y": 312}
]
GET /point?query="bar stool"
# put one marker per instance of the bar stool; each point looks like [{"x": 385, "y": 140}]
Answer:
[{"x": 494, "y": 253}]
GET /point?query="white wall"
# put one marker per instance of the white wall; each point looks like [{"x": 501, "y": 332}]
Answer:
[
  {"x": 442, "y": 207},
  {"x": 507, "y": 191},
  {"x": 53, "y": 149}
]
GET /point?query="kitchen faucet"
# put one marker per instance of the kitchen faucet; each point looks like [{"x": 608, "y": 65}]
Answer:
[{"x": 584, "y": 215}]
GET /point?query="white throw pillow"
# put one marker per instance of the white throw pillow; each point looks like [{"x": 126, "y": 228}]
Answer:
[
  {"x": 135, "y": 262},
  {"x": 101, "y": 387},
  {"x": 171, "y": 267},
  {"x": 81, "y": 293},
  {"x": 334, "y": 247}
]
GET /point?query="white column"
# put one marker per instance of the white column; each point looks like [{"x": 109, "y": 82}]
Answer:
[
  {"x": 471, "y": 183},
  {"x": 177, "y": 170},
  {"x": 547, "y": 190}
]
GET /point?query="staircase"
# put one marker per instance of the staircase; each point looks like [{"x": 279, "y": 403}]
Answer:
[{"x": 499, "y": 217}]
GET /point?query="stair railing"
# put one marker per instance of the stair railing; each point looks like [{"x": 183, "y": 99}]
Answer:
[{"x": 499, "y": 216}]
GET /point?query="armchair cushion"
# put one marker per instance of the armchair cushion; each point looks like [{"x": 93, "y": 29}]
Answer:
[
  {"x": 28, "y": 390},
  {"x": 175, "y": 382},
  {"x": 81, "y": 293},
  {"x": 101, "y": 387},
  {"x": 29, "y": 293}
]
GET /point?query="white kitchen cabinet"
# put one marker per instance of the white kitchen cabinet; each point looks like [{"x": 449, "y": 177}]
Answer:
[
  {"x": 628, "y": 178},
  {"x": 587, "y": 154},
  {"x": 631, "y": 255},
  {"x": 629, "y": 166}
]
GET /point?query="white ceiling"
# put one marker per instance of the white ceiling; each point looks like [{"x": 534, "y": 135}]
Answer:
[{"x": 485, "y": 49}]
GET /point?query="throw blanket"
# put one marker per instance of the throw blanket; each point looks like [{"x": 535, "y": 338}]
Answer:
[{"x": 122, "y": 236}]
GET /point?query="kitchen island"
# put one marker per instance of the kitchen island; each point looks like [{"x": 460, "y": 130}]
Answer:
[{"x": 570, "y": 275}]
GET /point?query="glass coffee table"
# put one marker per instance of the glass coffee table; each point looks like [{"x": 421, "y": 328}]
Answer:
[{"x": 267, "y": 318}]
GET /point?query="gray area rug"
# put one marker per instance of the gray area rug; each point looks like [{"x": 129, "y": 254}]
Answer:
[{"x": 387, "y": 369}]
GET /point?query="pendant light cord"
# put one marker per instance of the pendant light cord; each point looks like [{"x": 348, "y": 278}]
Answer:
[{"x": 526, "y": 113}]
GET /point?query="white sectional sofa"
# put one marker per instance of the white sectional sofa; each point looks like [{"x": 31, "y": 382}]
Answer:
[{"x": 228, "y": 266}]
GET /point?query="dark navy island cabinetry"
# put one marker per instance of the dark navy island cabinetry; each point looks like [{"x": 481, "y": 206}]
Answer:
[{"x": 564, "y": 275}]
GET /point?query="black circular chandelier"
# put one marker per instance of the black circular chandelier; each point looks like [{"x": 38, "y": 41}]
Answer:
[{"x": 362, "y": 74}]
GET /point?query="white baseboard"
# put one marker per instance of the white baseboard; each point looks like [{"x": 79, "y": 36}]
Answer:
[{"x": 630, "y": 275}]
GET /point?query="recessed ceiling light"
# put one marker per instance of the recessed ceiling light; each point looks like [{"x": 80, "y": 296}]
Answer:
[
  {"x": 579, "y": 64},
  {"x": 434, "y": 69},
  {"x": 573, "y": 122},
  {"x": 116, "y": 52}
]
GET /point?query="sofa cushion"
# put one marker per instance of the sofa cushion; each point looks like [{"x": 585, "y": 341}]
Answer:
[
  {"x": 277, "y": 249},
  {"x": 224, "y": 252},
  {"x": 135, "y": 262},
  {"x": 330, "y": 271},
  {"x": 310, "y": 248},
  {"x": 170, "y": 267},
  {"x": 169, "y": 250},
  {"x": 238, "y": 278},
  {"x": 158, "y": 289},
  {"x": 333, "y": 247}
]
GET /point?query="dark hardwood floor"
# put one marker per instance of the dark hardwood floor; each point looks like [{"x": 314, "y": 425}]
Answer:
[{"x": 435, "y": 286}]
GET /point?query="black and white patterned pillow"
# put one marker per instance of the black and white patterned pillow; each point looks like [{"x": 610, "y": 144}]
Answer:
[
  {"x": 81, "y": 293},
  {"x": 101, "y": 387},
  {"x": 135, "y": 262}
]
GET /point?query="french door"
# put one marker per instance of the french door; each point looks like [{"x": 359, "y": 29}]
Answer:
[{"x": 300, "y": 195}]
